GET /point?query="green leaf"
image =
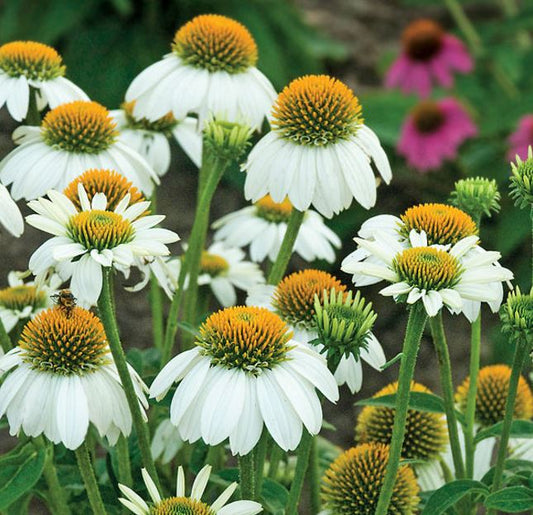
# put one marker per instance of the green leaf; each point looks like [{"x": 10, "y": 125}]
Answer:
[
  {"x": 446, "y": 496},
  {"x": 519, "y": 429},
  {"x": 418, "y": 400},
  {"x": 274, "y": 496},
  {"x": 19, "y": 471},
  {"x": 511, "y": 500}
]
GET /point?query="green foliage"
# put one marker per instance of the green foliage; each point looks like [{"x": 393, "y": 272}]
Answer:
[
  {"x": 514, "y": 499},
  {"x": 519, "y": 429},
  {"x": 449, "y": 494}
]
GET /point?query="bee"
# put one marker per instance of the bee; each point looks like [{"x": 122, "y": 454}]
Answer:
[{"x": 65, "y": 300}]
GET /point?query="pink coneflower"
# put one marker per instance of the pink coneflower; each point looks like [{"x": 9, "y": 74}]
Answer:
[
  {"x": 521, "y": 139},
  {"x": 429, "y": 54},
  {"x": 433, "y": 132}
]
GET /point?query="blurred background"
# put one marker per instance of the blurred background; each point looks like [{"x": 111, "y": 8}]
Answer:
[{"x": 106, "y": 43}]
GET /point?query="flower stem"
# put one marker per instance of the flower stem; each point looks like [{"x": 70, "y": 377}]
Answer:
[
  {"x": 156, "y": 304},
  {"x": 247, "y": 476},
  {"x": 465, "y": 25},
  {"x": 313, "y": 478},
  {"x": 303, "y": 452},
  {"x": 89, "y": 479},
  {"x": 107, "y": 315},
  {"x": 520, "y": 354},
  {"x": 58, "y": 498},
  {"x": 259, "y": 465},
  {"x": 470, "y": 411},
  {"x": 531, "y": 218},
  {"x": 275, "y": 457},
  {"x": 413, "y": 335},
  {"x": 441, "y": 348},
  {"x": 5, "y": 341},
  {"x": 33, "y": 117},
  {"x": 191, "y": 260},
  {"x": 282, "y": 260},
  {"x": 123, "y": 460}
]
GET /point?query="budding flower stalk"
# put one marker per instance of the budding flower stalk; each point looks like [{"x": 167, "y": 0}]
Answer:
[
  {"x": 522, "y": 181},
  {"x": 226, "y": 140},
  {"x": 476, "y": 196}
]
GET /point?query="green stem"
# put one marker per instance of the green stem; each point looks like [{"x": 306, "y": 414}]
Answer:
[
  {"x": 275, "y": 457},
  {"x": 191, "y": 260},
  {"x": 156, "y": 305},
  {"x": 465, "y": 25},
  {"x": 58, "y": 499},
  {"x": 107, "y": 316},
  {"x": 33, "y": 117},
  {"x": 5, "y": 341},
  {"x": 247, "y": 476},
  {"x": 123, "y": 460},
  {"x": 531, "y": 217},
  {"x": 413, "y": 335},
  {"x": 314, "y": 479},
  {"x": 260, "y": 456},
  {"x": 521, "y": 352},
  {"x": 470, "y": 411},
  {"x": 89, "y": 479},
  {"x": 303, "y": 452},
  {"x": 284, "y": 255},
  {"x": 441, "y": 348}
]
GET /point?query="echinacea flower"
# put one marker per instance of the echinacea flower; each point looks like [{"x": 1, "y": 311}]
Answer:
[
  {"x": 10, "y": 216},
  {"x": 187, "y": 505},
  {"x": 62, "y": 378},
  {"x": 319, "y": 151},
  {"x": 430, "y": 274},
  {"x": 263, "y": 226},
  {"x": 438, "y": 225},
  {"x": 150, "y": 138},
  {"x": 429, "y": 55},
  {"x": 353, "y": 482},
  {"x": 293, "y": 300},
  {"x": 426, "y": 435},
  {"x": 54, "y": 154},
  {"x": 211, "y": 70},
  {"x": 21, "y": 301},
  {"x": 28, "y": 64},
  {"x": 246, "y": 371},
  {"x": 433, "y": 133},
  {"x": 86, "y": 240},
  {"x": 521, "y": 139},
  {"x": 166, "y": 442}
]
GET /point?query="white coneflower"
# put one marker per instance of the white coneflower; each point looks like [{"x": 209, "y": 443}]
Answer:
[
  {"x": 211, "y": 70},
  {"x": 319, "y": 151},
  {"x": 72, "y": 138},
  {"x": 28, "y": 64},
  {"x": 166, "y": 442},
  {"x": 436, "y": 276},
  {"x": 21, "y": 301},
  {"x": 246, "y": 371},
  {"x": 263, "y": 226},
  {"x": 62, "y": 377},
  {"x": 87, "y": 240},
  {"x": 293, "y": 300},
  {"x": 150, "y": 138},
  {"x": 10, "y": 216},
  {"x": 186, "y": 505}
]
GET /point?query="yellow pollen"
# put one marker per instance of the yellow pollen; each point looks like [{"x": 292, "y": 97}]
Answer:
[
  {"x": 100, "y": 229},
  {"x": 353, "y": 482},
  {"x": 443, "y": 224},
  {"x": 273, "y": 211},
  {"x": 425, "y": 436},
  {"x": 33, "y": 60},
  {"x": 248, "y": 338},
  {"x": 61, "y": 344},
  {"x": 427, "y": 268},
  {"x": 80, "y": 126},
  {"x": 213, "y": 264},
  {"x": 492, "y": 392},
  {"x": 316, "y": 110},
  {"x": 181, "y": 506},
  {"x": 18, "y": 297},
  {"x": 294, "y": 297},
  {"x": 165, "y": 124},
  {"x": 114, "y": 185},
  {"x": 422, "y": 39},
  {"x": 215, "y": 43}
]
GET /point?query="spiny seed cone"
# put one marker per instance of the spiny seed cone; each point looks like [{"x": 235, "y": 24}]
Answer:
[
  {"x": 181, "y": 506},
  {"x": 425, "y": 433},
  {"x": 492, "y": 392},
  {"x": 352, "y": 483}
]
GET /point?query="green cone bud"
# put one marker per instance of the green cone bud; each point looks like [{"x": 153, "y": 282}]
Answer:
[
  {"x": 522, "y": 181},
  {"x": 476, "y": 196}
]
